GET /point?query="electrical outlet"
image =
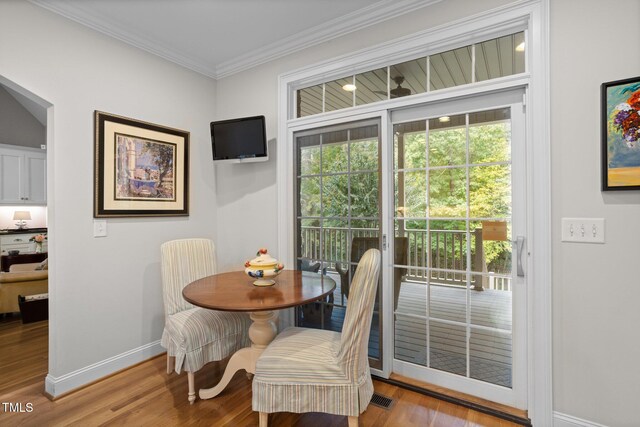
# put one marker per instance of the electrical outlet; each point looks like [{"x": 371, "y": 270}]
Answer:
[
  {"x": 583, "y": 230},
  {"x": 99, "y": 228}
]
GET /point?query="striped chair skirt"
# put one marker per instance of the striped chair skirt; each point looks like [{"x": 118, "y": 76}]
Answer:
[
  {"x": 198, "y": 336},
  {"x": 300, "y": 372}
]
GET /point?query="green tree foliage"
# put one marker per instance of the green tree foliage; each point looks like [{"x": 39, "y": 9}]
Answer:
[
  {"x": 489, "y": 185},
  {"x": 446, "y": 154},
  {"x": 162, "y": 155},
  {"x": 342, "y": 192}
]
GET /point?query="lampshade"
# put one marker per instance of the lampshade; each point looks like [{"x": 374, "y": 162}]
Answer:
[{"x": 22, "y": 215}]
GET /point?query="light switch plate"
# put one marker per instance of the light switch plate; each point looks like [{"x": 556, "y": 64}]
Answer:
[
  {"x": 99, "y": 228},
  {"x": 583, "y": 230}
]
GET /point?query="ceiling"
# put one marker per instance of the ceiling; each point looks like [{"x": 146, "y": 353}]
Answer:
[{"x": 221, "y": 37}]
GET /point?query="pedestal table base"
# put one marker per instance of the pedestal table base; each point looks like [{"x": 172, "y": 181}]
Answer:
[{"x": 261, "y": 332}]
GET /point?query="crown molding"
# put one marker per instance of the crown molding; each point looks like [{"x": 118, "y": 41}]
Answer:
[
  {"x": 362, "y": 18},
  {"x": 359, "y": 19},
  {"x": 75, "y": 12},
  {"x": 461, "y": 32}
]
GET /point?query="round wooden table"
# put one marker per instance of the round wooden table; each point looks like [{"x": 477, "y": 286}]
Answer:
[{"x": 234, "y": 291}]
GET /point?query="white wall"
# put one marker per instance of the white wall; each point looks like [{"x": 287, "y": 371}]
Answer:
[
  {"x": 105, "y": 292},
  {"x": 596, "y": 371},
  {"x": 246, "y": 193},
  {"x": 17, "y": 125},
  {"x": 596, "y": 287},
  {"x": 38, "y": 216}
]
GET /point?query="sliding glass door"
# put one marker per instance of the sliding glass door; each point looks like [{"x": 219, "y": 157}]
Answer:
[
  {"x": 447, "y": 220},
  {"x": 338, "y": 211},
  {"x": 459, "y": 209}
]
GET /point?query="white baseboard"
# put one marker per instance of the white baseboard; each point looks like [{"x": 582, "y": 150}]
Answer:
[
  {"x": 564, "y": 420},
  {"x": 55, "y": 386}
]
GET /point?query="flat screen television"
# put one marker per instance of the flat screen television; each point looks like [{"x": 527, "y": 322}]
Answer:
[{"x": 239, "y": 140}]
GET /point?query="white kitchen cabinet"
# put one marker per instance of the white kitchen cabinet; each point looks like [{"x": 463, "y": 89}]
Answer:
[
  {"x": 23, "y": 176},
  {"x": 20, "y": 242}
]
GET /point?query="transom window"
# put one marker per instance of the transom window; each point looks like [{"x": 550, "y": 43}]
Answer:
[{"x": 490, "y": 59}]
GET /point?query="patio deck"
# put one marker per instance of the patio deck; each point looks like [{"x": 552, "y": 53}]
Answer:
[{"x": 490, "y": 350}]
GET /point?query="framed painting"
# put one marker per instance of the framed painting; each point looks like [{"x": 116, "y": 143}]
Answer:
[
  {"x": 620, "y": 126},
  {"x": 141, "y": 169}
]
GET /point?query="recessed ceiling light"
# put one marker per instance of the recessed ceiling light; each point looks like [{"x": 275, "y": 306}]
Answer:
[
  {"x": 444, "y": 119},
  {"x": 520, "y": 47},
  {"x": 349, "y": 87}
]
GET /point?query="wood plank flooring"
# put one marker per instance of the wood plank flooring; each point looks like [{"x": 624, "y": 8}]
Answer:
[
  {"x": 23, "y": 352},
  {"x": 146, "y": 396},
  {"x": 489, "y": 349},
  {"x": 474, "y": 400}
]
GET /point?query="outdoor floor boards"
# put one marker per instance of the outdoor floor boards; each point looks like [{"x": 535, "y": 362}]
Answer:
[{"x": 489, "y": 349}]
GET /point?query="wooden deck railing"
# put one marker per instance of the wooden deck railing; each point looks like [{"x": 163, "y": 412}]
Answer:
[
  {"x": 335, "y": 241},
  {"x": 448, "y": 250}
]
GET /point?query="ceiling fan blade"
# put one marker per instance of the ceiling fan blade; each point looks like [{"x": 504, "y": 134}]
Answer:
[{"x": 400, "y": 92}]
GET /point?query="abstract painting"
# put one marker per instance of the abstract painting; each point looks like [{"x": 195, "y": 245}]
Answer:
[{"x": 620, "y": 111}]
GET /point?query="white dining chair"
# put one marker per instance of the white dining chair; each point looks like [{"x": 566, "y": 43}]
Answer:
[
  {"x": 194, "y": 336},
  {"x": 314, "y": 370}
]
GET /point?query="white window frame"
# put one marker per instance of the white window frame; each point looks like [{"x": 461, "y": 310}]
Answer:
[{"x": 530, "y": 15}]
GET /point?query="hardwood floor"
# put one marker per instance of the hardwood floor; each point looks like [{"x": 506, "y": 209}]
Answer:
[
  {"x": 145, "y": 395},
  {"x": 23, "y": 353},
  {"x": 434, "y": 390}
]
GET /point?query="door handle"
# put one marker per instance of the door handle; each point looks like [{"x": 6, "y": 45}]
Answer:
[{"x": 520, "y": 250}]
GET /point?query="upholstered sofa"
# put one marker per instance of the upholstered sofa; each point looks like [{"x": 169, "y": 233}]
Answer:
[{"x": 21, "y": 279}]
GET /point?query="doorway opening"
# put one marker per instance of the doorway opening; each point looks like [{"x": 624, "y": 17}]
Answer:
[{"x": 25, "y": 137}]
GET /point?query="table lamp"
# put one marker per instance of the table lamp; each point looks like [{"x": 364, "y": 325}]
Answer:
[{"x": 21, "y": 216}]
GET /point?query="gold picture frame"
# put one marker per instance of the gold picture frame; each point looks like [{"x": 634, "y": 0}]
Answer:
[{"x": 141, "y": 169}]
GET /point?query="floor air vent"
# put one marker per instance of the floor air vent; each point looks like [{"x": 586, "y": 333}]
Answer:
[{"x": 381, "y": 401}]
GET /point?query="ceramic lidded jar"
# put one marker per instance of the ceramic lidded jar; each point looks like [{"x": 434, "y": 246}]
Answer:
[{"x": 262, "y": 267}]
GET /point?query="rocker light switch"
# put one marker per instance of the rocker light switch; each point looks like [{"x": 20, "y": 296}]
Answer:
[{"x": 99, "y": 228}]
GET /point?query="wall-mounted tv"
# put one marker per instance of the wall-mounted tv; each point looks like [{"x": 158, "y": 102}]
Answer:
[{"x": 239, "y": 140}]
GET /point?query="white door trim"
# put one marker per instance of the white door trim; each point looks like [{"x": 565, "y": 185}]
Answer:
[
  {"x": 539, "y": 296},
  {"x": 51, "y": 221},
  {"x": 516, "y": 396},
  {"x": 535, "y": 13}
]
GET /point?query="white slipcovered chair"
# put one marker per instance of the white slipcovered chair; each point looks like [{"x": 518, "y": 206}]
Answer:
[
  {"x": 313, "y": 370},
  {"x": 194, "y": 336}
]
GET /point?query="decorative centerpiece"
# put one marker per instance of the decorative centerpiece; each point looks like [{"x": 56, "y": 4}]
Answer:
[
  {"x": 38, "y": 239},
  {"x": 262, "y": 267}
]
